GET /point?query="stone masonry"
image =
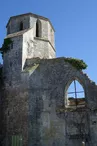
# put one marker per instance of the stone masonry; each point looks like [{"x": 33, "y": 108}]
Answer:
[{"x": 33, "y": 91}]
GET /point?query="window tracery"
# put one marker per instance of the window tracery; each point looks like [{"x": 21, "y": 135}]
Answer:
[{"x": 75, "y": 95}]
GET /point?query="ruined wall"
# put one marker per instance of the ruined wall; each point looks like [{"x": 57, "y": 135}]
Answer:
[
  {"x": 1, "y": 106},
  {"x": 13, "y": 62},
  {"x": 35, "y": 110},
  {"x": 14, "y": 96},
  {"x": 50, "y": 122},
  {"x": 16, "y": 112}
]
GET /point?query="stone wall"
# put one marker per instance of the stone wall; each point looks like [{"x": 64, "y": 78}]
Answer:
[
  {"x": 1, "y": 107},
  {"x": 27, "y": 46},
  {"x": 34, "y": 107},
  {"x": 34, "y": 92},
  {"x": 13, "y": 62},
  {"x": 50, "y": 122},
  {"x": 14, "y": 95},
  {"x": 51, "y": 35},
  {"x": 14, "y": 24}
]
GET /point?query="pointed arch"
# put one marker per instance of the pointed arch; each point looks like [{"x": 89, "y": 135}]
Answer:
[
  {"x": 75, "y": 94},
  {"x": 38, "y": 28}
]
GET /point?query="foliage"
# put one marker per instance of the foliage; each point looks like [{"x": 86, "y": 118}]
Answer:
[
  {"x": 5, "y": 47},
  {"x": 77, "y": 63}
]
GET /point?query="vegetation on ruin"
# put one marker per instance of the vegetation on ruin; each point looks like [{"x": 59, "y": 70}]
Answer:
[
  {"x": 77, "y": 63},
  {"x": 5, "y": 47}
]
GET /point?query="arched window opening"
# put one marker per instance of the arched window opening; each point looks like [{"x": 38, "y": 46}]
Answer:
[
  {"x": 21, "y": 25},
  {"x": 75, "y": 94},
  {"x": 38, "y": 28}
]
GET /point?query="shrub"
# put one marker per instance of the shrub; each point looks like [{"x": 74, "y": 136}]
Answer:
[{"x": 77, "y": 63}]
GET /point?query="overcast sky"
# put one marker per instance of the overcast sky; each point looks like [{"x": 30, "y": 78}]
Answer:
[{"x": 75, "y": 22}]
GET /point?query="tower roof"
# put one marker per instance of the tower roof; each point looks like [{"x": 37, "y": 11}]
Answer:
[{"x": 31, "y": 14}]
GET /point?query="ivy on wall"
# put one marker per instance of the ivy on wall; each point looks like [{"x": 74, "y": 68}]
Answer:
[
  {"x": 77, "y": 63},
  {"x": 5, "y": 47}
]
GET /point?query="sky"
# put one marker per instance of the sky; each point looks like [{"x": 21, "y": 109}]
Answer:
[
  {"x": 75, "y": 23},
  {"x": 75, "y": 90}
]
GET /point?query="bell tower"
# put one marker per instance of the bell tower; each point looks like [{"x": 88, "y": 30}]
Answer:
[{"x": 32, "y": 36}]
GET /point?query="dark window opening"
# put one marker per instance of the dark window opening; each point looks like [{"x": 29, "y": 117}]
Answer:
[
  {"x": 94, "y": 123},
  {"x": 8, "y": 30},
  {"x": 75, "y": 94},
  {"x": 8, "y": 113},
  {"x": 21, "y": 26},
  {"x": 10, "y": 64},
  {"x": 38, "y": 28}
]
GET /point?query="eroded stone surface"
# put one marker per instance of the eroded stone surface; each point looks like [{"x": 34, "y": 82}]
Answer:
[{"x": 33, "y": 110}]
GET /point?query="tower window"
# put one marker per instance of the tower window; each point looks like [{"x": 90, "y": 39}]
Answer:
[
  {"x": 38, "y": 28},
  {"x": 8, "y": 30},
  {"x": 75, "y": 95},
  {"x": 21, "y": 25}
]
